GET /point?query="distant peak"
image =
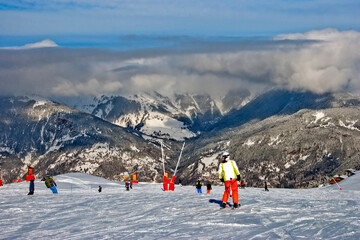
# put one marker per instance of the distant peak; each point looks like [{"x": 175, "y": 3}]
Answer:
[{"x": 42, "y": 44}]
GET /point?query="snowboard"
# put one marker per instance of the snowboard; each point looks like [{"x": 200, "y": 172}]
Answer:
[{"x": 228, "y": 205}]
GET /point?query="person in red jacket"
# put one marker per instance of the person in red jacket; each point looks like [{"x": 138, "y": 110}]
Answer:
[{"x": 229, "y": 174}]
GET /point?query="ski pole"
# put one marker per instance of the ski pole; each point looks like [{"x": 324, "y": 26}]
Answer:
[
  {"x": 179, "y": 159},
  {"x": 162, "y": 156}
]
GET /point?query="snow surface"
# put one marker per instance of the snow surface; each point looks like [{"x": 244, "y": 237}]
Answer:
[
  {"x": 146, "y": 212},
  {"x": 249, "y": 143},
  {"x": 162, "y": 124},
  {"x": 318, "y": 116}
]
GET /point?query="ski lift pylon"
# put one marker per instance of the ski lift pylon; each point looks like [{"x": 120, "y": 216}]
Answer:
[{"x": 169, "y": 184}]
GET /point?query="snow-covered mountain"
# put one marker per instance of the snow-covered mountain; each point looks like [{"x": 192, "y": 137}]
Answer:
[
  {"x": 180, "y": 117},
  {"x": 293, "y": 139},
  {"x": 290, "y": 139},
  {"x": 146, "y": 212},
  {"x": 54, "y": 138}
]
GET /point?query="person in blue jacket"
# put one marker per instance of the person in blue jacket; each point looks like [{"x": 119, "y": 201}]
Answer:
[{"x": 127, "y": 185}]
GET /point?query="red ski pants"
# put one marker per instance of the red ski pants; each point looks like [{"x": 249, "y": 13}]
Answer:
[{"x": 233, "y": 186}]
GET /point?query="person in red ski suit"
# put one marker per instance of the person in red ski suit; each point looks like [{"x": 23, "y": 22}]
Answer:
[
  {"x": 229, "y": 174},
  {"x": 242, "y": 184}
]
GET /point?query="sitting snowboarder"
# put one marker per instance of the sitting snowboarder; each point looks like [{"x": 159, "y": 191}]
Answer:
[
  {"x": 50, "y": 183},
  {"x": 100, "y": 188}
]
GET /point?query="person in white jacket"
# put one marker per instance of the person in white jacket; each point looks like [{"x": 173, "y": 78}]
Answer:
[{"x": 229, "y": 174}]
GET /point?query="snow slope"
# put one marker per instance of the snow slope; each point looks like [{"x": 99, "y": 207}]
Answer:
[
  {"x": 349, "y": 183},
  {"x": 146, "y": 212}
]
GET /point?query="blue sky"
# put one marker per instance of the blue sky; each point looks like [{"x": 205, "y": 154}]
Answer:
[{"x": 68, "y": 21}]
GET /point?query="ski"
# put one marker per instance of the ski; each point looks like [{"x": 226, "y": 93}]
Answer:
[{"x": 230, "y": 208}]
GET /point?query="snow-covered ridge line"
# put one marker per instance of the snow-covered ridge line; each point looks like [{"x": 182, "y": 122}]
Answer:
[{"x": 153, "y": 114}]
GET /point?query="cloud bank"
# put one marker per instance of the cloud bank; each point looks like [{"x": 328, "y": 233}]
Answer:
[{"x": 319, "y": 61}]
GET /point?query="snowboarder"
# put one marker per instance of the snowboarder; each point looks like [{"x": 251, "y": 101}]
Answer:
[
  {"x": 131, "y": 184},
  {"x": 229, "y": 174},
  {"x": 208, "y": 186},
  {"x": 100, "y": 188},
  {"x": 31, "y": 187},
  {"x": 266, "y": 188},
  {"x": 50, "y": 183},
  {"x": 198, "y": 186},
  {"x": 242, "y": 184}
]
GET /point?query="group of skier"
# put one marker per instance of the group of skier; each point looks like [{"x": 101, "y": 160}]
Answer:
[
  {"x": 198, "y": 185},
  {"x": 228, "y": 174},
  {"x": 50, "y": 183},
  {"x": 128, "y": 185}
]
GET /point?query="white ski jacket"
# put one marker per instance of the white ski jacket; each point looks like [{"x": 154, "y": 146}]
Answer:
[{"x": 228, "y": 170}]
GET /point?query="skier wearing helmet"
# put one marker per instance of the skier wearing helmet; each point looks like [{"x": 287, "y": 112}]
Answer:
[{"x": 229, "y": 174}]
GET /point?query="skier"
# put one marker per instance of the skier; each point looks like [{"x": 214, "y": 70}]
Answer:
[
  {"x": 208, "y": 186},
  {"x": 127, "y": 185},
  {"x": 100, "y": 188},
  {"x": 198, "y": 186},
  {"x": 31, "y": 187},
  {"x": 50, "y": 183},
  {"x": 229, "y": 174},
  {"x": 131, "y": 184},
  {"x": 266, "y": 188},
  {"x": 242, "y": 184}
]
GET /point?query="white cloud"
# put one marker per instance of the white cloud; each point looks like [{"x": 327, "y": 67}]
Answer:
[
  {"x": 43, "y": 44},
  {"x": 328, "y": 34},
  {"x": 330, "y": 64},
  {"x": 90, "y": 87},
  {"x": 318, "y": 61}
]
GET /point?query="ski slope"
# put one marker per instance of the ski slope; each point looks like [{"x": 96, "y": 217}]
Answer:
[{"x": 146, "y": 212}]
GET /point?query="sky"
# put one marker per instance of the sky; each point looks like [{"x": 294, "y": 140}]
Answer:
[
  {"x": 177, "y": 17},
  {"x": 89, "y": 47}
]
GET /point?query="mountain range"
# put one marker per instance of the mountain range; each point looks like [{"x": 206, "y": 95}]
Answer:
[{"x": 289, "y": 138}]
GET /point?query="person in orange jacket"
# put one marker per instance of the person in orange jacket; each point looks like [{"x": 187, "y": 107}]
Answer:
[{"x": 229, "y": 174}]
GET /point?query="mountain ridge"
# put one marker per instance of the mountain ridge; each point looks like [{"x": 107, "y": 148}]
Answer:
[{"x": 58, "y": 139}]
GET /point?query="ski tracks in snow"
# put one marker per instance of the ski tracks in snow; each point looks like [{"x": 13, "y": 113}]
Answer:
[{"x": 146, "y": 212}]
